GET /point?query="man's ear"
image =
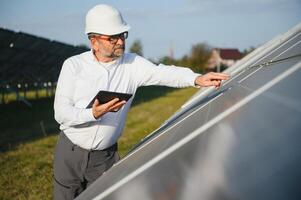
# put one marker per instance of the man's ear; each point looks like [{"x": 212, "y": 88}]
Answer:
[{"x": 94, "y": 44}]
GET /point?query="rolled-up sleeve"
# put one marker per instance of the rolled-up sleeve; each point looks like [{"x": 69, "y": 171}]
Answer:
[{"x": 65, "y": 113}]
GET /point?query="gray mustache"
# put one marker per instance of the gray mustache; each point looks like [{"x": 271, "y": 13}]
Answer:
[{"x": 120, "y": 47}]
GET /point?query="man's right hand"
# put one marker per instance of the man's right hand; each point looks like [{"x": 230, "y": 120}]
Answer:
[{"x": 101, "y": 109}]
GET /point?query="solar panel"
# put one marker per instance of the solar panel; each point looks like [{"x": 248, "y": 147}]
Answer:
[
  {"x": 27, "y": 62},
  {"x": 238, "y": 142}
]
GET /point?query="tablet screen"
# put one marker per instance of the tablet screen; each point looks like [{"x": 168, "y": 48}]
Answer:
[{"x": 106, "y": 96}]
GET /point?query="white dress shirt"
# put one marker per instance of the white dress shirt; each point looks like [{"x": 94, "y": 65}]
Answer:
[{"x": 82, "y": 76}]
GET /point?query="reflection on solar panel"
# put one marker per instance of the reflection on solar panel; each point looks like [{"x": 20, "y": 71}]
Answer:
[{"x": 238, "y": 142}]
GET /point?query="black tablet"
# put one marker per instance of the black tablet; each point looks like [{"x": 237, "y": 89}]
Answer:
[{"x": 106, "y": 96}]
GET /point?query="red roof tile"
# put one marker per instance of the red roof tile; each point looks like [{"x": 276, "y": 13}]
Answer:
[{"x": 228, "y": 54}]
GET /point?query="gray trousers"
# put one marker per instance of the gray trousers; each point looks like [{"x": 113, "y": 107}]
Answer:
[{"x": 76, "y": 168}]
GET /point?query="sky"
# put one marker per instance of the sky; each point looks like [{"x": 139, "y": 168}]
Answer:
[{"x": 160, "y": 25}]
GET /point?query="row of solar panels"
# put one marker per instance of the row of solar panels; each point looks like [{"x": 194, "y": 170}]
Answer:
[
  {"x": 238, "y": 142},
  {"x": 30, "y": 61}
]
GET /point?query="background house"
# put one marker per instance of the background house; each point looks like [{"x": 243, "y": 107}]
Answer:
[{"x": 220, "y": 59}]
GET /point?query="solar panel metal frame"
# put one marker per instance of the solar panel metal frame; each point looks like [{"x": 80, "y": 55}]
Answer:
[{"x": 159, "y": 147}]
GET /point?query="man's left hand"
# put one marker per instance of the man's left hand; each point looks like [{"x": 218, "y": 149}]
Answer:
[{"x": 211, "y": 79}]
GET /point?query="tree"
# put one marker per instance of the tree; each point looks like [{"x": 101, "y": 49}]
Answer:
[
  {"x": 247, "y": 51},
  {"x": 166, "y": 60},
  {"x": 196, "y": 60},
  {"x": 199, "y": 55},
  {"x": 136, "y": 47}
]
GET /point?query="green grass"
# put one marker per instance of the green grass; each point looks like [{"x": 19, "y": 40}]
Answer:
[
  {"x": 29, "y": 95},
  {"x": 26, "y": 166},
  {"x": 20, "y": 123}
]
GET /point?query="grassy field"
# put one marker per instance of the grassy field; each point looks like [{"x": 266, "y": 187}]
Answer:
[
  {"x": 30, "y": 95},
  {"x": 28, "y": 136}
]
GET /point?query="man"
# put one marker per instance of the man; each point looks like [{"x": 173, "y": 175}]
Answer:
[{"x": 87, "y": 144}]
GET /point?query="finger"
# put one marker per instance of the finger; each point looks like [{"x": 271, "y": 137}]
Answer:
[
  {"x": 215, "y": 82},
  {"x": 218, "y": 85},
  {"x": 112, "y": 102},
  {"x": 116, "y": 109},
  {"x": 117, "y": 106},
  {"x": 95, "y": 109},
  {"x": 221, "y": 74},
  {"x": 96, "y": 103},
  {"x": 218, "y": 77}
]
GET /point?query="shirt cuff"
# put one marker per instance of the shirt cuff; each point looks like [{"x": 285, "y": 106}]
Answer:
[{"x": 193, "y": 77}]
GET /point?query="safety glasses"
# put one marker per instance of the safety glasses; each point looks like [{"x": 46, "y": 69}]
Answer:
[{"x": 113, "y": 39}]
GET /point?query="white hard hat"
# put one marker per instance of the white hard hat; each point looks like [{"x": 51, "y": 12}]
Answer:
[{"x": 106, "y": 20}]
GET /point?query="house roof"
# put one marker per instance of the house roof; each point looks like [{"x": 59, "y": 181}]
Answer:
[{"x": 232, "y": 54}]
